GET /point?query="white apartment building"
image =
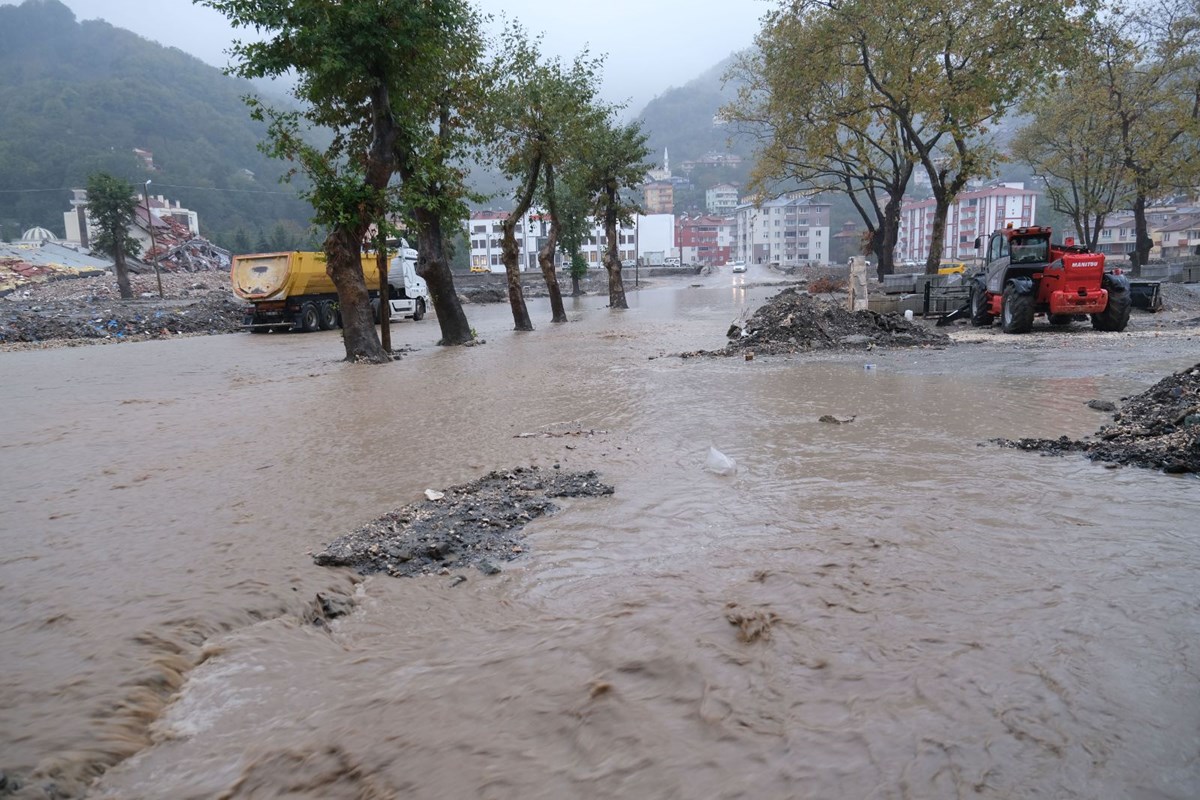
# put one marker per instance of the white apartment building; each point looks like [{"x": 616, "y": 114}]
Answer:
[
  {"x": 788, "y": 230},
  {"x": 651, "y": 232},
  {"x": 975, "y": 213},
  {"x": 721, "y": 199}
]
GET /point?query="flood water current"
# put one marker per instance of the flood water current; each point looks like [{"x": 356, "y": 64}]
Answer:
[{"x": 889, "y": 608}]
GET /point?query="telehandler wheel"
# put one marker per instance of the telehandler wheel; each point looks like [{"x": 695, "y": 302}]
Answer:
[
  {"x": 980, "y": 317},
  {"x": 1115, "y": 315},
  {"x": 1016, "y": 313},
  {"x": 1060, "y": 319},
  {"x": 419, "y": 311},
  {"x": 329, "y": 315},
  {"x": 310, "y": 318}
]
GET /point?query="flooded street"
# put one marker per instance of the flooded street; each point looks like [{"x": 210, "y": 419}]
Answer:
[{"x": 890, "y": 608}]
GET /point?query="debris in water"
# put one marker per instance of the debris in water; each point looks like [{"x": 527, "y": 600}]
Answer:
[
  {"x": 474, "y": 524},
  {"x": 434, "y": 494},
  {"x": 831, "y": 419},
  {"x": 1151, "y": 430},
  {"x": 719, "y": 463}
]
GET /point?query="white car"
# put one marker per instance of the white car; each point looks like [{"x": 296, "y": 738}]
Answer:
[{"x": 739, "y": 266}]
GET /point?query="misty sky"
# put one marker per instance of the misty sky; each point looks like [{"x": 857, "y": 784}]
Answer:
[{"x": 652, "y": 45}]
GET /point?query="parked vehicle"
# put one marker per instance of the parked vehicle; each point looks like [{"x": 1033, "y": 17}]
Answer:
[
  {"x": 293, "y": 291},
  {"x": 1025, "y": 274}
]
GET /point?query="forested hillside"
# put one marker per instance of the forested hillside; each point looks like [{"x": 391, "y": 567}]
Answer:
[
  {"x": 78, "y": 97},
  {"x": 683, "y": 121}
]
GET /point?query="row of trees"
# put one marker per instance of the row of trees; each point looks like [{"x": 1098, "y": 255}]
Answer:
[
  {"x": 854, "y": 95},
  {"x": 409, "y": 95}
]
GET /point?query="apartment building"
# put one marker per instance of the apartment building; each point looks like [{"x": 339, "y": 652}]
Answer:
[
  {"x": 721, "y": 199},
  {"x": 659, "y": 197},
  {"x": 976, "y": 213},
  {"x": 789, "y": 230},
  {"x": 652, "y": 232}
]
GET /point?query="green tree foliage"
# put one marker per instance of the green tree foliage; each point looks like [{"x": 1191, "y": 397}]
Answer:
[
  {"x": 930, "y": 76},
  {"x": 614, "y": 159},
  {"x": 78, "y": 97},
  {"x": 111, "y": 206},
  {"x": 1149, "y": 63},
  {"x": 1079, "y": 156},
  {"x": 537, "y": 111},
  {"x": 820, "y": 126},
  {"x": 356, "y": 64}
]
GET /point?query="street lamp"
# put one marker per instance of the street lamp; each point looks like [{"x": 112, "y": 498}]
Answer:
[{"x": 150, "y": 227}]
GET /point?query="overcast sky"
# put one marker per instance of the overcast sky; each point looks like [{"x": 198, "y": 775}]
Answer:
[{"x": 652, "y": 45}]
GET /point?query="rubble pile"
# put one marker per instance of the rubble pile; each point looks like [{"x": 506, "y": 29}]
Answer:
[
  {"x": 131, "y": 320},
  {"x": 794, "y": 321},
  {"x": 472, "y": 524},
  {"x": 1157, "y": 429},
  {"x": 90, "y": 309}
]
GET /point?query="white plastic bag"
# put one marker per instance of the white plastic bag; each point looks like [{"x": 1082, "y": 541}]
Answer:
[{"x": 719, "y": 463}]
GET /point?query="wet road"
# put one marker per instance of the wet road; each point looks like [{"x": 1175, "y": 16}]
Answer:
[{"x": 881, "y": 609}]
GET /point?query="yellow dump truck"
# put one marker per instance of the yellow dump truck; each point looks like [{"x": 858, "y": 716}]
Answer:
[{"x": 292, "y": 291}]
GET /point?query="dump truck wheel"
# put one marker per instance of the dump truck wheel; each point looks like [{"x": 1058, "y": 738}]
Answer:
[
  {"x": 1016, "y": 313},
  {"x": 1060, "y": 319},
  {"x": 329, "y": 315},
  {"x": 419, "y": 311},
  {"x": 1115, "y": 315},
  {"x": 310, "y": 318},
  {"x": 980, "y": 317}
]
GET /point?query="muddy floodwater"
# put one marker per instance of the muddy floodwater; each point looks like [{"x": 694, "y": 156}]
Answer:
[{"x": 889, "y": 608}]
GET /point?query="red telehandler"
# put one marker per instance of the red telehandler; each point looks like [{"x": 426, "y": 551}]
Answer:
[{"x": 1025, "y": 274}]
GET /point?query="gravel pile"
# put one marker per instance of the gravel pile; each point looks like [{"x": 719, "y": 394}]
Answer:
[
  {"x": 471, "y": 525},
  {"x": 1157, "y": 429},
  {"x": 793, "y": 321}
]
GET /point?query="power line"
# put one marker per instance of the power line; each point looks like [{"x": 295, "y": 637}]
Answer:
[{"x": 164, "y": 186}]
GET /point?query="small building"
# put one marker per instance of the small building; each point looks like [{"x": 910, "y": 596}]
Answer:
[
  {"x": 485, "y": 232},
  {"x": 704, "y": 239},
  {"x": 1180, "y": 238}
]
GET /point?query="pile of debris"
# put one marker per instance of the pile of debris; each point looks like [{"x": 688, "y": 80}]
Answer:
[
  {"x": 473, "y": 524},
  {"x": 1157, "y": 429},
  {"x": 793, "y": 321},
  {"x": 129, "y": 320},
  {"x": 89, "y": 310}
]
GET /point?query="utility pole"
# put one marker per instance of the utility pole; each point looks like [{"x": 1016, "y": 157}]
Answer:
[{"x": 150, "y": 227}]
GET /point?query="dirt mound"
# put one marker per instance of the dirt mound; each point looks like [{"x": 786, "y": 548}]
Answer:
[
  {"x": 794, "y": 321},
  {"x": 1157, "y": 429},
  {"x": 473, "y": 524}
]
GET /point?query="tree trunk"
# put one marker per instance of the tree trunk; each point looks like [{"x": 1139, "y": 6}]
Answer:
[
  {"x": 516, "y": 297},
  {"x": 119, "y": 265},
  {"x": 937, "y": 237},
  {"x": 612, "y": 262},
  {"x": 385, "y": 292},
  {"x": 434, "y": 266},
  {"x": 343, "y": 256},
  {"x": 889, "y": 233},
  {"x": 508, "y": 248},
  {"x": 546, "y": 253},
  {"x": 575, "y": 292},
  {"x": 1142, "y": 240}
]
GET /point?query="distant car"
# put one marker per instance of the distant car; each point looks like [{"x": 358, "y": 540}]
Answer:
[
  {"x": 480, "y": 269},
  {"x": 739, "y": 266},
  {"x": 671, "y": 262},
  {"x": 628, "y": 263}
]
